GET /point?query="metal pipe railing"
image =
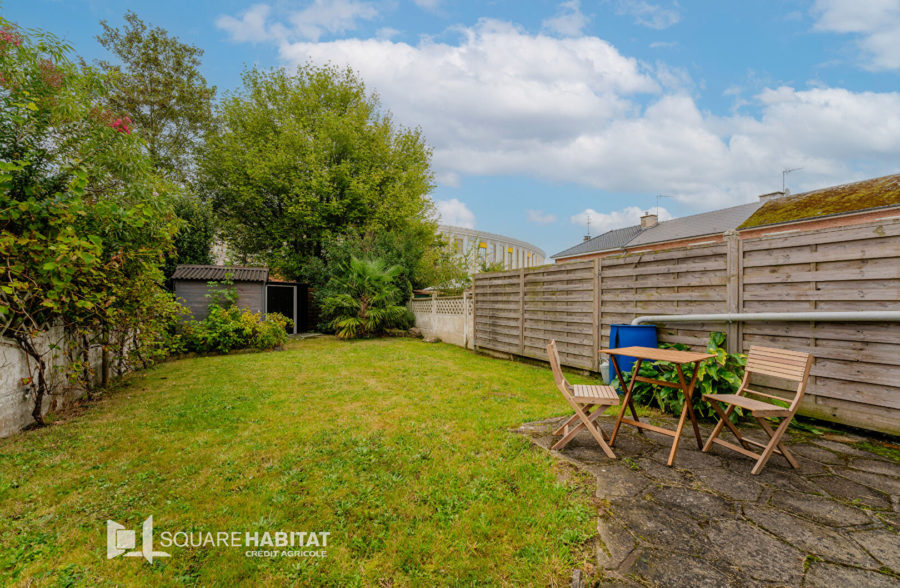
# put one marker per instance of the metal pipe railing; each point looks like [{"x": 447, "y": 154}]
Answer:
[{"x": 730, "y": 317}]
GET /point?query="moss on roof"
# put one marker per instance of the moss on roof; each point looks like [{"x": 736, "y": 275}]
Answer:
[{"x": 858, "y": 196}]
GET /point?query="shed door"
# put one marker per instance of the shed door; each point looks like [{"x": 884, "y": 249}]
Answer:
[{"x": 283, "y": 300}]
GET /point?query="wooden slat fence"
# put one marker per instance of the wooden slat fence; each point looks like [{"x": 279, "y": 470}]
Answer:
[
  {"x": 684, "y": 281},
  {"x": 856, "y": 375}
]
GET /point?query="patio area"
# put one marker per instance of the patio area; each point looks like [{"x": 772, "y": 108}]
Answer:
[{"x": 707, "y": 521}]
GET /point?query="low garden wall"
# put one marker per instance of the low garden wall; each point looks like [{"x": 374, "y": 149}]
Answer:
[
  {"x": 448, "y": 318},
  {"x": 16, "y": 399}
]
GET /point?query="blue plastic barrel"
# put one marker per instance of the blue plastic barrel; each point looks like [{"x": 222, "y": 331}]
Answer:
[{"x": 630, "y": 336}]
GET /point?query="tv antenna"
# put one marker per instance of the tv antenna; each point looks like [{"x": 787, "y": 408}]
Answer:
[
  {"x": 658, "y": 196},
  {"x": 589, "y": 225},
  {"x": 784, "y": 174}
]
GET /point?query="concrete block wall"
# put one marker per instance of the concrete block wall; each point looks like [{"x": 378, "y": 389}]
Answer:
[{"x": 16, "y": 400}]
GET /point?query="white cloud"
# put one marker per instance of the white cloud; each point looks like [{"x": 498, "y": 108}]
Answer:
[
  {"x": 877, "y": 22},
  {"x": 386, "y": 33},
  {"x": 455, "y": 212},
  {"x": 540, "y": 217},
  {"x": 650, "y": 15},
  {"x": 251, "y": 26},
  {"x": 501, "y": 101},
  {"x": 311, "y": 22},
  {"x": 601, "y": 222},
  {"x": 331, "y": 16},
  {"x": 569, "y": 20},
  {"x": 497, "y": 92},
  {"x": 663, "y": 44},
  {"x": 429, "y": 5}
]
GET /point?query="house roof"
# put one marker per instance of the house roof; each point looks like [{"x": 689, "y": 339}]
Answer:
[
  {"x": 843, "y": 199},
  {"x": 614, "y": 239},
  {"x": 217, "y": 273},
  {"x": 696, "y": 225}
]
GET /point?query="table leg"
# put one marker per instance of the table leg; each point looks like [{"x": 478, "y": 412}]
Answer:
[
  {"x": 689, "y": 394},
  {"x": 627, "y": 403},
  {"x": 678, "y": 430}
]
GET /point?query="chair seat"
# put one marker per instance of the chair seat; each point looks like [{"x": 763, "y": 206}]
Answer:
[
  {"x": 597, "y": 394},
  {"x": 757, "y": 406}
]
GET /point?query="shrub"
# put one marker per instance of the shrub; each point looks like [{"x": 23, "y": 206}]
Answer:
[
  {"x": 366, "y": 302},
  {"x": 228, "y": 328},
  {"x": 721, "y": 374}
]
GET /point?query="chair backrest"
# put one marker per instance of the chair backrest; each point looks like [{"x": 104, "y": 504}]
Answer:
[
  {"x": 779, "y": 363},
  {"x": 558, "y": 376}
]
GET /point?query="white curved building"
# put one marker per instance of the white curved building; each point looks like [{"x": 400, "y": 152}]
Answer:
[{"x": 483, "y": 249}]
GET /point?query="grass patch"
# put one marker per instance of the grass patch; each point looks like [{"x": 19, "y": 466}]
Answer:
[{"x": 399, "y": 449}]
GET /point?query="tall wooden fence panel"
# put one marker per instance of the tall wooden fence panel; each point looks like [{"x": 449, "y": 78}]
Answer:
[
  {"x": 498, "y": 311},
  {"x": 683, "y": 281},
  {"x": 856, "y": 375},
  {"x": 519, "y": 311},
  {"x": 559, "y": 304}
]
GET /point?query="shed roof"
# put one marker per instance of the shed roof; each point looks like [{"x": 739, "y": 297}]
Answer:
[
  {"x": 614, "y": 239},
  {"x": 217, "y": 273},
  {"x": 843, "y": 199},
  {"x": 696, "y": 225}
]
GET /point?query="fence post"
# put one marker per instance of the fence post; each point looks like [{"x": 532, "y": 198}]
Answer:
[
  {"x": 474, "y": 317},
  {"x": 595, "y": 320},
  {"x": 465, "y": 304},
  {"x": 521, "y": 311},
  {"x": 733, "y": 272}
]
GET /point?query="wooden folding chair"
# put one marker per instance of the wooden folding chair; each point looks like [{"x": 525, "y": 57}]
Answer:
[
  {"x": 787, "y": 365},
  {"x": 583, "y": 399}
]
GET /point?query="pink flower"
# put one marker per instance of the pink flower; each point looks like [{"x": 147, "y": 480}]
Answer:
[{"x": 10, "y": 37}]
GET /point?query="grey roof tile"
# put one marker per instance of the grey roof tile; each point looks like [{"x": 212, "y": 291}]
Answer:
[
  {"x": 217, "y": 273},
  {"x": 697, "y": 225},
  {"x": 686, "y": 227},
  {"x": 614, "y": 239}
]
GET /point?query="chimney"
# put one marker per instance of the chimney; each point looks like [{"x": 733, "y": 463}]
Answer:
[
  {"x": 773, "y": 196},
  {"x": 649, "y": 220},
  {"x": 587, "y": 237}
]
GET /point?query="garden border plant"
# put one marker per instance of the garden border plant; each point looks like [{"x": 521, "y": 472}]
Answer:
[
  {"x": 227, "y": 327},
  {"x": 84, "y": 221},
  {"x": 721, "y": 374}
]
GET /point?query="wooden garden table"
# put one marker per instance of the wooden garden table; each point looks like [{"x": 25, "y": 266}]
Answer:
[{"x": 679, "y": 358}]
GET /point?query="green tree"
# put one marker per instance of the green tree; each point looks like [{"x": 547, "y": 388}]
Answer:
[
  {"x": 83, "y": 220},
  {"x": 158, "y": 82},
  {"x": 303, "y": 161},
  {"x": 195, "y": 235},
  {"x": 366, "y": 301}
]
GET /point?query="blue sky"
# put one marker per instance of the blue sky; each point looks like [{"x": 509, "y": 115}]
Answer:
[{"x": 543, "y": 113}]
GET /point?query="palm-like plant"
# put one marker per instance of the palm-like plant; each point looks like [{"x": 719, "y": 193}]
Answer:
[{"x": 367, "y": 302}]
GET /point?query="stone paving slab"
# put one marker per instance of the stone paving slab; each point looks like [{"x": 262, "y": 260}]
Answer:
[{"x": 707, "y": 521}]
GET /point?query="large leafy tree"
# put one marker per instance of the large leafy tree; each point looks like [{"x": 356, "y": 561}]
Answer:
[
  {"x": 157, "y": 80},
  {"x": 84, "y": 222},
  {"x": 305, "y": 160}
]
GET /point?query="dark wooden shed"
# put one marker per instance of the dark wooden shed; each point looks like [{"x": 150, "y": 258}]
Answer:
[{"x": 256, "y": 292}]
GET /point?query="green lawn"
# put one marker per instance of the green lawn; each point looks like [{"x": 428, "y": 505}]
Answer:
[{"x": 398, "y": 448}]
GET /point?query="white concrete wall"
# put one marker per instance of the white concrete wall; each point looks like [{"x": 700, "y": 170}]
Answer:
[
  {"x": 449, "y": 318},
  {"x": 16, "y": 399}
]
